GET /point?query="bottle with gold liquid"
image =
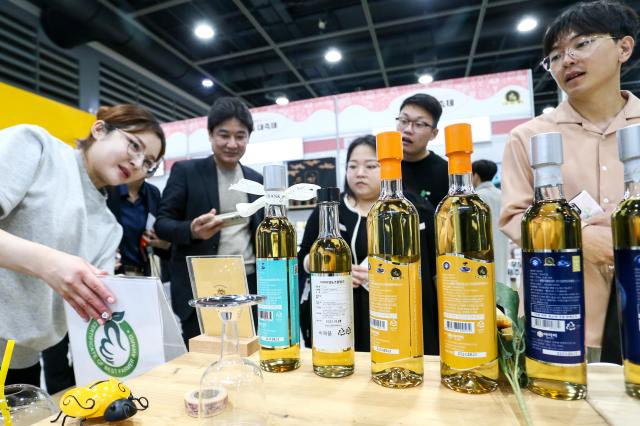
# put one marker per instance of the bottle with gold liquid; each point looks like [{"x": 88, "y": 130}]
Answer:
[
  {"x": 552, "y": 276},
  {"x": 395, "y": 286},
  {"x": 277, "y": 276},
  {"x": 331, "y": 293},
  {"x": 465, "y": 276},
  {"x": 625, "y": 223}
]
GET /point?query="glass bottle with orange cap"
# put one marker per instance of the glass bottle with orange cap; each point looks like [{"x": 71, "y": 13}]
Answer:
[
  {"x": 465, "y": 276},
  {"x": 395, "y": 287}
]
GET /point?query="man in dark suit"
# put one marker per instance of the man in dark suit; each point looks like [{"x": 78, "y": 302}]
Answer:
[{"x": 196, "y": 193}]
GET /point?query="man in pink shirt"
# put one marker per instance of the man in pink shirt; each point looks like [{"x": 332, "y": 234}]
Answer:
[{"x": 585, "y": 48}]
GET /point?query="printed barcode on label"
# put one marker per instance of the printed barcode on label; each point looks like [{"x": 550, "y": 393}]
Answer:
[
  {"x": 379, "y": 324},
  {"x": 561, "y": 353},
  {"x": 548, "y": 325},
  {"x": 470, "y": 354},
  {"x": 459, "y": 326},
  {"x": 386, "y": 350},
  {"x": 265, "y": 315}
]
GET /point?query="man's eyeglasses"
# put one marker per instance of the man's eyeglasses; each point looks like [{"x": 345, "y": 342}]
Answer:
[
  {"x": 404, "y": 122},
  {"x": 579, "y": 49},
  {"x": 136, "y": 151}
]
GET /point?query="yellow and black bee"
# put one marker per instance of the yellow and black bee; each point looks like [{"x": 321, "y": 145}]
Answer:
[{"x": 109, "y": 399}]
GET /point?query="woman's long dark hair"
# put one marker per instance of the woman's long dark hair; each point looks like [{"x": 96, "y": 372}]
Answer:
[{"x": 368, "y": 140}]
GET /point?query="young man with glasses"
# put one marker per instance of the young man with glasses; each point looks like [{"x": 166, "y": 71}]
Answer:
[
  {"x": 196, "y": 193},
  {"x": 585, "y": 48},
  {"x": 423, "y": 172}
]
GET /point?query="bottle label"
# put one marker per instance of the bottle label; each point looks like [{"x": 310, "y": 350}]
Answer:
[
  {"x": 554, "y": 305},
  {"x": 332, "y": 312},
  {"x": 467, "y": 311},
  {"x": 278, "y": 315},
  {"x": 628, "y": 286},
  {"x": 394, "y": 318}
]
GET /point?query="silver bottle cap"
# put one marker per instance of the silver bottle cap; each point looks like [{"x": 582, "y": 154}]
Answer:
[
  {"x": 629, "y": 142},
  {"x": 546, "y": 150},
  {"x": 275, "y": 177}
]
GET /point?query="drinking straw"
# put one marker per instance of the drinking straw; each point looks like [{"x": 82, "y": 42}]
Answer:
[{"x": 4, "y": 369}]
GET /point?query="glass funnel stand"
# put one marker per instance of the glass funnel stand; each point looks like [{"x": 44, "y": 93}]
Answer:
[
  {"x": 231, "y": 389},
  {"x": 26, "y": 404}
]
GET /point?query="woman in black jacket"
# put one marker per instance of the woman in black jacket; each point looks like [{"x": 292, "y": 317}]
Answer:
[{"x": 362, "y": 190}]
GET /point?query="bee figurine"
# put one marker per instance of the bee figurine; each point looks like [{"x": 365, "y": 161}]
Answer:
[{"x": 109, "y": 399}]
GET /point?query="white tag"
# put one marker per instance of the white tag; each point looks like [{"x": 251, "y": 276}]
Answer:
[
  {"x": 365, "y": 284},
  {"x": 587, "y": 205},
  {"x": 151, "y": 220},
  {"x": 299, "y": 192},
  {"x": 232, "y": 219}
]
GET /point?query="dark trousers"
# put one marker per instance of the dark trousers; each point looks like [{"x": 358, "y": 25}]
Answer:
[
  {"x": 58, "y": 373},
  {"x": 191, "y": 326},
  {"x": 27, "y": 376}
]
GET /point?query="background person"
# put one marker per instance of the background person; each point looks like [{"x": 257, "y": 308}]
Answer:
[
  {"x": 585, "y": 48},
  {"x": 132, "y": 205},
  {"x": 424, "y": 172},
  {"x": 196, "y": 192},
  {"x": 483, "y": 173}
]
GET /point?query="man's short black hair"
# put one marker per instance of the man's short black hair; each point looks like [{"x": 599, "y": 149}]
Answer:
[
  {"x": 486, "y": 169},
  {"x": 426, "y": 102},
  {"x": 225, "y": 108},
  {"x": 596, "y": 17}
]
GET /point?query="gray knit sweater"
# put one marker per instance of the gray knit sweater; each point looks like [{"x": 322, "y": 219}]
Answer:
[{"x": 46, "y": 196}]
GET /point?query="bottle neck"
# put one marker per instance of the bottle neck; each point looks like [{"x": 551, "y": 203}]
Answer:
[
  {"x": 549, "y": 192},
  {"x": 631, "y": 189},
  {"x": 391, "y": 188},
  {"x": 632, "y": 178},
  {"x": 461, "y": 184},
  {"x": 328, "y": 220},
  {"x": 229, "y": 347},
  {"x": 548, "y": 183},
  {"x": 271, "y": 210},
  {"x": 275, "y": 204}
]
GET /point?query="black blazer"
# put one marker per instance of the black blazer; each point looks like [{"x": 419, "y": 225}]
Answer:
[
  {"x": 192, "y": 190},
  {"x": 151, "y": 202}
]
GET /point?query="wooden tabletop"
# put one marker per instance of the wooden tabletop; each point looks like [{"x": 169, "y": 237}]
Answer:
[{"x": 302, "y": 398}]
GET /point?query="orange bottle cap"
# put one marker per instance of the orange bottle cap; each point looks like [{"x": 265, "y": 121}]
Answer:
[
  {"x": 389, "y": 151},
  {"x": 389, "y": 145},
  {"x": 458, "y": 147}
]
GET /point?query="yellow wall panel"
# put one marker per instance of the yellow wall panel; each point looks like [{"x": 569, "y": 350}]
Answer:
[{"x": 19, "y": 106}]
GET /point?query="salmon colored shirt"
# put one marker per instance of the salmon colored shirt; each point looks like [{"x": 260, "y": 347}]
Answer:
[{"x": 591, "y": 163}]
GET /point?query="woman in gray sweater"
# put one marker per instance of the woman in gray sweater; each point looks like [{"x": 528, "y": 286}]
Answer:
[{"x": 56, "y": 233}]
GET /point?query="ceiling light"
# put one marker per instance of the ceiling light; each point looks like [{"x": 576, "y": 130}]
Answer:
[
  {"x": 425, "y": 79},
  {"x": 282, "y": 100},
  {"x": 527, "y": 24},
  {"x": 333, "y": 55},
  {"x": 547, "y": 110},
  {"x": 204, "y": 31},
  {"x": 207, "y": 82}
]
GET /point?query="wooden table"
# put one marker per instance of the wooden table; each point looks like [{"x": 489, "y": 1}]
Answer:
[{"x": 302, "y": 398}]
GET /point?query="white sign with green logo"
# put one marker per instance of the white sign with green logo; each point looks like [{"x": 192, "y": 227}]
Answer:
[{"x": 141, "y": 334}]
